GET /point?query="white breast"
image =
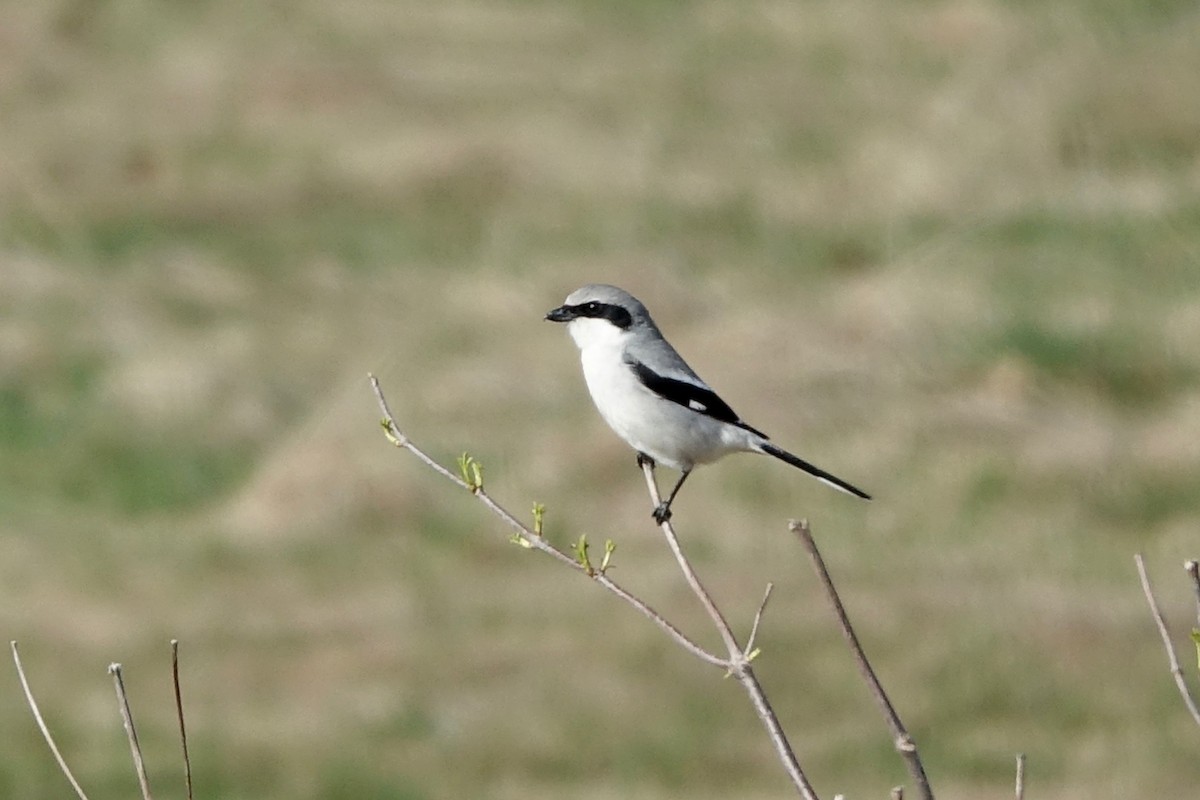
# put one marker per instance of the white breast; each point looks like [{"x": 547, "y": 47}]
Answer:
[{"x": 671, "y": 434}]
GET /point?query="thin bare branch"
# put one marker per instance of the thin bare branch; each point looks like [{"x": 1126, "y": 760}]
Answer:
[
  {"x": 127, "y": 718},
  {"x": 41, "y": 723},
  {"x": 739, "y": 661},
  {"x": 736, "y": 664},
  {"x": 901, "y": 739},
  {"x": 187, "y": 761},
  {"x": 533, "y": 540},
  {"x": 783, "y": 748},
  {"x": 677, "y": 635},
  {"x": 1020, "y": 776},
  {"x": 749, "y": 650},
  {"x": 1192, "y": 568},
  {"x": 689, "y": 574},
  {"x": 1172, "y": 659}
]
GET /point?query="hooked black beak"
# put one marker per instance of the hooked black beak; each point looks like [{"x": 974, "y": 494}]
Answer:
[{"x": 561, "y": 314}]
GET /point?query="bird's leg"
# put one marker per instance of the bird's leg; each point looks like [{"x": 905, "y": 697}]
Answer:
[
  {"x": 644, "y": 459},
  {"x": 663, "y": 512}
]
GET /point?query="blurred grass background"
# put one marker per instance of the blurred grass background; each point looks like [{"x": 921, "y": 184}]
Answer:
[{"x": 947, "y": 250}]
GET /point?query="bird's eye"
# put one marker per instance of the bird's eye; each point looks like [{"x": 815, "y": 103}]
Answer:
[{"x": 592, "y": 307}]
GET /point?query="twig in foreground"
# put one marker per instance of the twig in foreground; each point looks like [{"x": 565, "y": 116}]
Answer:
[
  {"x": 903, "y": 742},
  {"x": 1192, "y": 567},
  {"x": 41, "y": 723},
  {"x": 1172, "y": 659},
  {"x": 737, "y": 663},
  {"x": 739, "y": 658},
  {"x": 750, "y": 651},
  {"x": 535, "y": 540},
  {"x": 1020, "y": 776},
  {"x": 187, "y": 762},
  {"x": 127, "y": 719}
]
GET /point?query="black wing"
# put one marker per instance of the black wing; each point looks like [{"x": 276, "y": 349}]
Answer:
[{"x": 698, "y": 398}]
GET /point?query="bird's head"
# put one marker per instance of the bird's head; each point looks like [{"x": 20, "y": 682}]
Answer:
[{"x": 598, "y": 313}]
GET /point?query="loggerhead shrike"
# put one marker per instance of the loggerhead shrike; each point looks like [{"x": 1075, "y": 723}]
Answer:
[{"x": 651, "y": 398}]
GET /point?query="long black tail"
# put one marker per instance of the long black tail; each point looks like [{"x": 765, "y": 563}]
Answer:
[{"x": 816, "y": 472}]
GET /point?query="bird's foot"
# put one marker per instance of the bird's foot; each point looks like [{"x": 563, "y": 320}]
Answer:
[
  {"x": 643, "y": 460},
  {"x": 662, "y": 513}
]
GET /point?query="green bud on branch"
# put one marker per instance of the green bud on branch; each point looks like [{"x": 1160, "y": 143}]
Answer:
[
  {"x": 610, "y": 547},
  {"x": 471, "y": 472},
  {"x": 581, "y": 555},
  {"x": 539, "y": 513},
  {"x": 389, "y": 433}
]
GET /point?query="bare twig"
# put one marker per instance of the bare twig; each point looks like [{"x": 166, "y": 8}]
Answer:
[
  {"x": 749, "y": 650},
  {"x": 127, "y": 719},
  {"x": 187, "y": 762},
  {"x": 531, "y": 539},
  {"x": 1192, "y": 567},
  {"x": 1172, "y": 660},
  {"x": 41, "y": 723},
  {"x": 689, "y": 574},
  {"x": 739, "y": 660},
  {"x": 1020, "y": 776},
  {"x": 902, "y": 741}
]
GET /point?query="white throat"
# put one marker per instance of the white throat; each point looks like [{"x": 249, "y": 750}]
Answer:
[{"x": 589, "y": 333}]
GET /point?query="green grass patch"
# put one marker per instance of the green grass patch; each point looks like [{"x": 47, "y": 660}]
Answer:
[
  {"x": 133, "y": 477},
  {"x": 984, "y": 212},
  {"x": 1125, "y": 368}
]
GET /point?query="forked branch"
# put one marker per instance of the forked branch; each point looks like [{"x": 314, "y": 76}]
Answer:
[
  {"x": 739, "y": 657},
  {"x": 737, "y": 660}
]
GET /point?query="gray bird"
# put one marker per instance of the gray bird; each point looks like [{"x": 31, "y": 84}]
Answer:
[{"x": 652, "y": 399}]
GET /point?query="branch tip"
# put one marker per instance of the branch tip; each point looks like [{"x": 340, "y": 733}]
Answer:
[
  {"x": 1193, "y": 571},
  {"x": 187, "y": 761},
  {"x": 1161, "y": 623},
  {"x": 135, "y": 747},
  {"x": 41, "y": 723},
  {"x": 903, "y": 742},
  {"x": 757, "y": 620}
]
